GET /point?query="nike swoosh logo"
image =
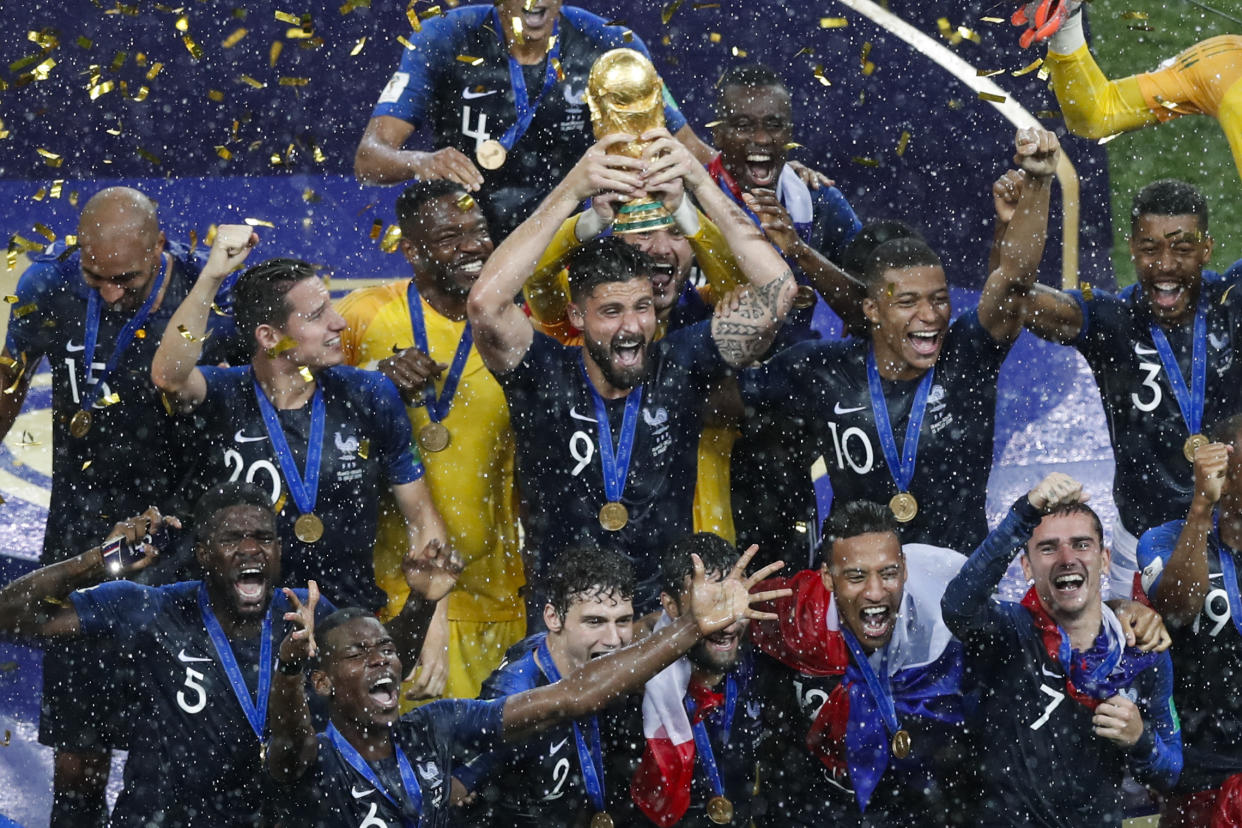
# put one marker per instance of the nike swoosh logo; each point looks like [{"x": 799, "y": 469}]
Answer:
[
  {"x": 71, "y": 347},
  {"x": 470, "y": 96},
  {"x": 360, "y": 794},
  {"x": 837, "y": 409},
  {"x": 242, "y": 438},
  {"x": 556, "y": 747},
  {"x": 1141, "y": 351},
  {"x": 188, "y": 659},
  {"x": 573, "y": 412}
]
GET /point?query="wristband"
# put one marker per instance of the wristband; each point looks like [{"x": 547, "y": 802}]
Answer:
[{"x": 687, "y": 217}]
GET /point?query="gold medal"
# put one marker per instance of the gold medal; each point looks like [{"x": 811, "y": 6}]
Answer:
[
  {"x": 80, "y": 424},
  {"x": 433, "y": 437},
  {"x": 601, "y": 820},
  {"x": 308, "y": 528},
  {"x": 904, "y": 507},
  {"x": 901, "y": 744},
  {"x": 263, "y": 753},
  {"x": 491, "y": 155},
  {"x": 1192, "y": 444},
  {"x": 720, "y": 810},
  {"x": 613, "y": 516},
  {"x": 805, "y": 297}
]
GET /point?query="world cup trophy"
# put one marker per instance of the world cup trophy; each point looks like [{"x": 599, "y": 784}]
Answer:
[{"x": 625, "y": 94}]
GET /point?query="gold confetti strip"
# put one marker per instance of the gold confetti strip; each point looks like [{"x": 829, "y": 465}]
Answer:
[
  {"x": 41, "y": 71},
  {"x": 818, "y": 72},
  {"x": 988, "y": 73},
  {"x": 833, "y": 22},
  {"x": 22, "y": 63},
  {"x": 306, "y": 374},
  {"x": 702, "y": 6},
  {"x": 224, "y": 152},
  {"x": 71, "y": 241},
  {"x": 792, "y": 145},
  {"x": 473, "y": 61},
  {"x": 10, "y": 257},
  {"x": 666, "y": 14},
  {"x": 903, "y": 142},
  {"x": 183, "y": 23},
  {"x": 291, "y": 81},
  {"x": 354, "y": 52},
  {"x": 141, "y": 94},
  {"x": 1048, "y": 113},
  {"x": 101, "y": 89},
  {"x": 1134, "y": 15},
  {"x": 560, "y": 73},
  {"x": 1142, "y": 27},
  {"x": 234, "y": 38},
  {"x": 194, "y": 49},
  {"x": 111, "y": 399},
  {"x": 274, "y": 53},
  {"x": 9, "y": 300},
  {"x": 1169, "y": 105},
  {"x": 1029, "y": 68},
  {"x": 215, "y": 95},
  {"x": 285, "y": 344},
  {"x": 286, "y": 17},
  {"x": 377, "y": 227},
  {"x": 118, "y": 61},
  {"x": 85, "y": 42},
  {"x": 50, "y": 158},
  {"x": 318, "y": 154},
  {"x": 25, "y": 310},
  {"x": 73, "y": 198},
  {"x": 430, "y": 12},
  {"x": 87, "y": 465},
  {"x": 298, "y": 34},
  {"x": 305, "y": 23},
  {"x": 155, "y": 69},
  {"x": 310, "y": 196},
  {"x": 805, "y": 50},
  {"x": 185, "y": 334},
  {"x": 392, "y": 237},
  {"x": 465, "y": 202},
  {"x": 364, "y": 448},
  {"x": 412, "y": 16},
  {"x": 116, "y": 130},
  {"x": 280, "y": 503},
  {"x": 988, "y": 96},
  {"x": 1087, "y": 292},
  {"x": 739, "y": 53},
  {"x": 40, "y": 194},
  {"x": 254, "y": 222},
  {"x": 168, "y": 406},
  {"x": 56, "y": 188},
  {"x": 252, "y": 82},
  {"x": 45, "y": 231},
  {"x": 154, "y": 159},
  {"x": 1042, "y": 74},
  {"x": 714, "y": 37},
  {"x": 219, "y": 311},
  {"x": 24, "y": 244},
  {"x": 407, "y": 44},
  {"x": 993, "y": 19},
  {"x": 954, "y": 103},
  {"x": 515, "y": 23},
  {"x": 1107, "y": 138},
  {"x": 140, "y": 59},
  {"x": 968, "y": 34},
  {"x": 865, "y": 162},
  {"x": 141, "y": 333}
]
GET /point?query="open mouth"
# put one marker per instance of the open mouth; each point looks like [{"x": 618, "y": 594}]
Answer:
[
  {"x": 761, "y": 169},
  {"x": 250, "y": 584},
  {"x": 876, "y": 621},
  {"x": 662, "y": 275},
  {"x": 721, "y": 642},
  {"x": 1166, "y": 294},
  {"x": 534, "y": 16},
  {"x": 384, "y": 692},
  {"x": 628, "y": 354},
  {"x": 925, "y": 343},
  {"x": 1068, "y": 585},
  {"x": 470, "y": 269}
]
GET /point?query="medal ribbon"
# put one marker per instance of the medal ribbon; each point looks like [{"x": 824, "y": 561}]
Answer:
[
  {"x": 702, "y": 741},
  {"x": 1189, "y": 400},
  {"x": 902, "y": 469},
  {"x": 94, "y": 307},
  {"x": 526, "y": 108},
  {"x": 590, "y": 754},
  {"x": 408, "y": 781},
  {"x": 1229, "y": 574},
  {"x": 304, "y": 491},
  {"x": 438, "y": 407},
  {"x": 256, "y": 708},
  {"x": 881, "y": 690},
  {"x": 616, "y": 466}
]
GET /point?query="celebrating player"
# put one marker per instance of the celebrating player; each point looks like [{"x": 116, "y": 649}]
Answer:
[
  {"x": 316, "y": 434},
  {"x": 584, "y": 486},
  {"x": 1067, "y": 705}
]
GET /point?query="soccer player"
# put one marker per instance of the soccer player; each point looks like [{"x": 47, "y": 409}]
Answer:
[
  {"x": 96, "y": 314},
  {"x": 517, "y": 107},
  {"x": 1189, "y": 570},
  {"x": 905, "y": 415},
  {"x": 583, "y": 485},
  {"x": 317, "y": 436},
  {"x": 373, "y": 766},
  {"x": 1066, "y": 706},
  {"x": 416, "y": 331},
  {"x": 1162, "y": 355},
  {"x": 568, "y": 772},
  {"x": 701, "y": 715},
  {"x": 864, "y": 674}
]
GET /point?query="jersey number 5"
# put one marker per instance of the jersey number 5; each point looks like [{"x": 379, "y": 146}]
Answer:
[{"x": 192, "y": 682}]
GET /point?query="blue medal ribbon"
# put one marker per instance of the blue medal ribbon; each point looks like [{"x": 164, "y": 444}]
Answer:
[
  {"x": 303, "y": 490},
  {"x": 408, "y": 781},
  {"x": 1189, "y": 400},
  {"x": 526, "y": 108},
  {"x": 590, "y": 753},
  {"x": 94, "y": 308},
  {"x": 256, "y": 708},
  {"x": 881, "y": 690},
  {"x": 438, "y": 407},
  {"x": 1229, "y": 574},
  {"x": 703, "y": 743},
  {"x": 901, "y": 468},
  {"x": 616, "y": 465}
]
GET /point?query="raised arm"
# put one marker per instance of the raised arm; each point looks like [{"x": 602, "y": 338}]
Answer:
[
  {"x": 380, "y": 158},
  {"x": 291, "y": 746},
  {"x": 502, "y": 333},
  {"x": 1003, "y": 303},
  {"x": 15, "y": 376},
  {"x": 174, "y": 369}
]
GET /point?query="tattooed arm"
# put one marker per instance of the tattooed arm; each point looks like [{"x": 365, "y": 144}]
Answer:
[{"x": 743, "y": 329}]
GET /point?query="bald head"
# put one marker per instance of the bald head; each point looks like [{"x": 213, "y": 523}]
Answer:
[
  {"x": 118, "y": 210},
  {"x": 121, "y": 242}
]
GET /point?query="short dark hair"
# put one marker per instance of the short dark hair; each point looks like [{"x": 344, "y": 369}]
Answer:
[
  {"x": 259, "y": 295},
  {"x": 747, "y": 75},
  {"x": 849, "y": 520},
  {"x": 1077, "y": 509},
  {"x": 1169, "y": 197},
  {"x": 872, "y": 235},
  {"x": 898, "y": 254},
  {"x": 717, "y": 554},
  {"x": 1226, "y": 430},
  {"x": 416, "y": 195},
  {"x": 602, "y": 260},
  {"x": 588, "y": 571},
  {"x": 226, "y": 496},
  {"x": 337, "y": 619}
]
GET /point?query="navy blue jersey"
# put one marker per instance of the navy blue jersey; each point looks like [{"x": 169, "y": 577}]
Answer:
[
  {"x": 1043, "y": 764},
  {"x": 1154, "y": 480},
  {"x": 559, "y": 468},
  {"x": 1207, "y": 659},
  {"x": 538, "y": 783},
  {"x": 193, "y": 756},
  {"x": 133, "y": 454},
  {"x": 823, "y": 387},
  {"x": 334, "y": 794},
  {"x": 466, "y": 105},
  {"x": 367, "y": 440}
]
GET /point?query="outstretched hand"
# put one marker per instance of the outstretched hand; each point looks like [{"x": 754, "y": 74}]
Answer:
[
  {"x": 1056, "y": 491},
  {"x": 433, "y": 572},
  {"x": 1036, "y": 151},
  {"x": 1142, "y": 626},
  {"x": 299, "y": 645},
  {"x": 232, "y": 245},
  {"x": 717, "y": 604},
  {"x": 1005, "y": 193}
]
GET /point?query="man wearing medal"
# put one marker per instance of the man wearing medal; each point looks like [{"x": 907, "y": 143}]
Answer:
[
  {"x": 1190, "y": 569},
  {"x": 96, "y": 312},
  {"x": 363, "y": 767},
  {"x": 502, "y": 87},
  {"x": 469, "y": 455},
  {"x": 1162, "y": 353},
  {"x": 905, "y": 415},
  {"x": 607, "y": 432},
  {"x": 321, "y": 438},
  {"x": 1067, "y": 704}
]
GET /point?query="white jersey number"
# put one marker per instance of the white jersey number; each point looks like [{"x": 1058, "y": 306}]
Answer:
[
  {"x": 845, "y": 456},
  {"x": 237, "y": 464},
  {"x": 582, "y": 449},
  {"x": 371, "y": 820},
  {"x": 96, "y": 368},
  {"x": 479, "y": 133},
  {"x": 1057, "y": 698},
  {"x": 1149, "y": 381},
  {"x": 809, "y": 700},
  {"x": 192, "y": 682},
  {"x": 560, "y": 773},
  {"x": 1216, "y": 608}
]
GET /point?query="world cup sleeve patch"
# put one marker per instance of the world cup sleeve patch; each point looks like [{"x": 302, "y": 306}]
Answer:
[{"x": 395, "y": 88}]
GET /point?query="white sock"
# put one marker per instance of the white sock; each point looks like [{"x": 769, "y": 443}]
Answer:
[{"x": 1069, "y": 38}]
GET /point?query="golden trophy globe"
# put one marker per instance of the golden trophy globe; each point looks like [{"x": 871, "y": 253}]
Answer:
[{"x": 625, "y": 94}]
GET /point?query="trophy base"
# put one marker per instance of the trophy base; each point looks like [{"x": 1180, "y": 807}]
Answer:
[{"x": 641, "y": 215}]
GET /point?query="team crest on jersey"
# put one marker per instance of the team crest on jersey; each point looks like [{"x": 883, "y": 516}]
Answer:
[
  {"x": 347, "y": 445},
  {"x": 348, "y": 465},
  {"x": 575, "y": 115},
  {"x": 659, "y": 417},
  {"x": 657, "y": 421},
  {"x": 935, "y": 398},
  {"x": 1129, "y": 693},
  {"x": 429, "y": 772},
  {"x": 1224, "y": 359}
]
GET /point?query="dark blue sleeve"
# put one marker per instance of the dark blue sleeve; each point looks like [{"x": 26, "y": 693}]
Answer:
[
  {"x": 835, "y": 221},
  {"x": 116, "y": 608},
  {"x": 1156, "y": 759},
  {"x": 695, "y": 348},
  {"x": 1155, "y": 548},
  {"x": 967, "y": 604},
  {"x": 396, "y": 445},
  {"x": 26, "y": 329},
  {"x": 409, "y": 92},
  {"x": 1103, "y": 323},
  {"x": 783, "y": 381},
  {"x": 473, "y": 725},
  {"x": 538, "y": 363},
  {"x": 976, "y": 352}
]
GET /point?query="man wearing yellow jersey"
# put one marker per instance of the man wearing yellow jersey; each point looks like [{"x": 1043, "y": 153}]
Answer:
[{"x": 461, "y": 421}]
